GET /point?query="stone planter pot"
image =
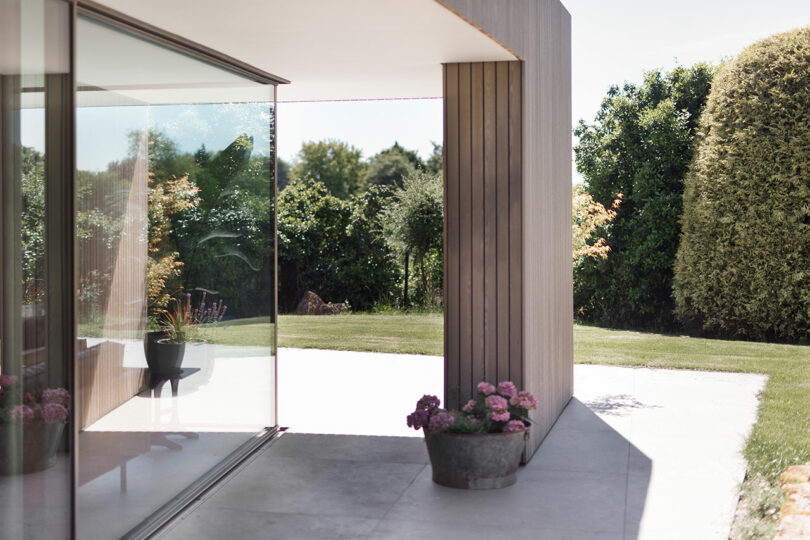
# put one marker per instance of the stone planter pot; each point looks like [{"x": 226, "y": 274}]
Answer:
[
  {"x": 39, "y": 444},
  {"x": 163, "y": 358},
  {"x": 484, "y": 461}
]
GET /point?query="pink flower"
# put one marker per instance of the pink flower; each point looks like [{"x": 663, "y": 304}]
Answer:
[
  {"x": 507, "y": 388},
  {"x": 514, "y": 426},
  {"x": 496, "y": 402},
  {"x": 23, "y": 413},
  {"x": 418, "y": 419},
  {"x": 7, "y": 380},
  {"x": 440, "y": 421},
  {"x": 469, "y": 407},
  {"x": 485, "y": 388},
  {"x": 54, "y": 412},
  {"x": 525, "y": 400},
  {"x": 59, "y": 396},
  {"x": 498, "y": 408},
  {"x": 427, "y": 403}
]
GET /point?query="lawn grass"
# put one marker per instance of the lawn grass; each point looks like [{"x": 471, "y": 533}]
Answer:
[
  {"x": 388, "y": 333},
  {"x": 781, "y": 436}
]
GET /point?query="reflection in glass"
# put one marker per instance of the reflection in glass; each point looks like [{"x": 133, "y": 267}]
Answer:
[
  {"x": 175, "y": 225},
  {"x": 34, "y": 404}
]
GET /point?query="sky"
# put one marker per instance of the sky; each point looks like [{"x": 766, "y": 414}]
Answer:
[{"x": 613, "y": 41}]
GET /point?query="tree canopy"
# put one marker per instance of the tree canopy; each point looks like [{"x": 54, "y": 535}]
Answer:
[
  {"x": 640, "y": 145},
  {"x": 336, "y": 164}
]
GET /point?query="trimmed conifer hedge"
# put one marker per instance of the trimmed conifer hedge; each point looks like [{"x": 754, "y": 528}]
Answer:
[{"x": 743, "y": 265}]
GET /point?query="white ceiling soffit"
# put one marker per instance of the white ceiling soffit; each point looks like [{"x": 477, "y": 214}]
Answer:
[{"x": 330, "y": 49}]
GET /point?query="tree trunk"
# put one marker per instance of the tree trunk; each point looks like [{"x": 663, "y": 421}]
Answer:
[
  {"x": 405, "y": 290},
  {"x": 424, "y": 278}
]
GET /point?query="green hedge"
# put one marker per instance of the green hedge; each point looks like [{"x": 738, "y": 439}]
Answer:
[{"x": 743, "y": 265}]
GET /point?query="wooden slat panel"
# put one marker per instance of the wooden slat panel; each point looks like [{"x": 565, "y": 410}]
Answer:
[
  {"x": 478, "y": 262},
  {"x": 465, "y": 226},
  {"x": 451, "y": 231},
  {"x": 502, "y": 201},
  {"x": 515, "y": 223},
  {"x": 490, "y": 228}
]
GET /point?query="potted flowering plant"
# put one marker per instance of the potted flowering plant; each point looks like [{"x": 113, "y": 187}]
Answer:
[
  {"x": 36, "y": 419},
  {"x": 165, "y": 348},
  {"x": 478, "y": 447}
]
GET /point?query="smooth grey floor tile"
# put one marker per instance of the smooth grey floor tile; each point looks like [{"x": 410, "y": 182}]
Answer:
[
  {"x": 408, "y": 530},
  {"x": 229, "y": 524},
  {"x": 351, "y": 447},
  {"x": 581, "y": 450},
  {"x": 557, "y": 500},
  {"x": 316, "y": 486}
]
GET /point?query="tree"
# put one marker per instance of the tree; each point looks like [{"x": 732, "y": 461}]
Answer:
[
  {"x": 283, "y": 173},
  {"x": 435, "y": 163},
  {"x": 335, "y": 164},
  {"x": 414, "y": 223},
  {"x": 389, "y": 167},
  {"x": 333, "y": 247},
  {"x": 166, "y": 197},
  {"x": 742, "y": 265},
  {"x": 587, "y": 216},
  {"x": 640, "y": 145}
]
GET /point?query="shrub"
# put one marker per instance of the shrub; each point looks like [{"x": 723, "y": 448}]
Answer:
[{"x": 742, "y": 266}]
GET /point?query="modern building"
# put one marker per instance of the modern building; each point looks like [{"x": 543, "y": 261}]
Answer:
[{"x": 121, "y": 121}]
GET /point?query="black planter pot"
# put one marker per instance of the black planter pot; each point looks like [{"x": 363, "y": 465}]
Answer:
[{"x": 163, "y": 358}]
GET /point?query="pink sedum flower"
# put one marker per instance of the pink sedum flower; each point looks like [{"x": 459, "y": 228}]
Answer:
[
  {"x": 59, "y": 396},
  {"x": 525, "y": 400},
  {"x": 485, "y": 388},
  {"x": 441, "y": 420},
  {"x": 469, "y": 407},
  {"x": 499, "y": 415},
  {"x": 514, "y": 426},
  {"x": 507, "y": 388},
  {"x": 23, "y": 414},
  {"x": 54, "y": 413}
]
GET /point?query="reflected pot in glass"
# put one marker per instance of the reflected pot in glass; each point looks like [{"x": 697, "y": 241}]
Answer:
[
  {"x": 163, "y": 358},
  {"x": 40, "y": 441},
  {"x": 475, "y": 461}
]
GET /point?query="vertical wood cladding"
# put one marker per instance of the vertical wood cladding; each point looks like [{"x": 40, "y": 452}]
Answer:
[
  {"x": 532, "y": 225},
  {"x": 483, "y": 174}
]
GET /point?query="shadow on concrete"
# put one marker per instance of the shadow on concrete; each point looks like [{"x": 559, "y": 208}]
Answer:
[
  {"x": 586, "y": 481},
  {"x": 617, "y": 404},
  {"x": 582, "y": 444}
]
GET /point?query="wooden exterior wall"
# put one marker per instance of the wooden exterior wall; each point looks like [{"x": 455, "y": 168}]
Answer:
[
  {"x": 483, "y": 255},
  {"x": 539, "y": 33}
]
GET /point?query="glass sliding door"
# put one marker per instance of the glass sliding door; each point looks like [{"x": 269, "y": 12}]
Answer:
[
  {"x": 175, "y": 226},
  {"x": 35, "y": 465}
]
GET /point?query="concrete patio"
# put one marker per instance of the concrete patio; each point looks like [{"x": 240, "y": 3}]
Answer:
[{"x": 637, "y": 454}]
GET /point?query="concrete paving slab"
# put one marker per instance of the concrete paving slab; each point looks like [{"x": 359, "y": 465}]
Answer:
[{"x": 637, "y": 454}]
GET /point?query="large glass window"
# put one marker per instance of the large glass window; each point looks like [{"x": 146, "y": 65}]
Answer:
[
  {"x": 35, "y": 468},
  {"x": 175, "y": 254}
]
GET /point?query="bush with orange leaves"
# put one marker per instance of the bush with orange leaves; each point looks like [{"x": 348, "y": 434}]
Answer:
[
  {"x": 587, "y": 216},
  {"x": 166, "y": 198}
]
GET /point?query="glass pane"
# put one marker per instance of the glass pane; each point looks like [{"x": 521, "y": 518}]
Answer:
[
  {"x": 34, "y": 403},
  {"x": 175, "y": 228}
]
